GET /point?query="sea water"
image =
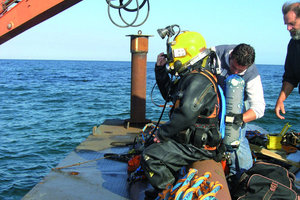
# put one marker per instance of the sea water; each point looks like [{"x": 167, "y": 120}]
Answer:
[{"x": 48, "y": 107}]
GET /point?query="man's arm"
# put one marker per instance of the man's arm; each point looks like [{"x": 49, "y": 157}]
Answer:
[
  {"x": 255, "y": 94},
  {"x": 162, "y": 78},
  {"x": 249, "y": 116},
  {"x": 286, "y": 90}
]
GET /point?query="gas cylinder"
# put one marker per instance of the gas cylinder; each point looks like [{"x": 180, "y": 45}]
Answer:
[{"x": 234, "y": 93}]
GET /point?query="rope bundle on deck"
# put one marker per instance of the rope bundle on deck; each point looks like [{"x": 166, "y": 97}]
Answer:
[{"x": 191, "y": 187}]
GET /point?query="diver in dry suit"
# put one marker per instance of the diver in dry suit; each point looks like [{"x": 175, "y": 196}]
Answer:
[{"x": 193, "y": 128}]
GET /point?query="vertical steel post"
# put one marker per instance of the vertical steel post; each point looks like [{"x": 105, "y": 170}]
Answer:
[{"x": 139, "y": 50}]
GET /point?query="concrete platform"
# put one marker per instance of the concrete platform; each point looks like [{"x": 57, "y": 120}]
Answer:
[{"x": 84, "y": 173}]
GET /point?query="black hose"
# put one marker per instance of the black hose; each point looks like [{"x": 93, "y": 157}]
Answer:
[
  {"x": 120, "y": 6},
  {"x": 135, "y": 9},
  {"x": 165, "y": 105},
  {"x": 124, "y": 6}
]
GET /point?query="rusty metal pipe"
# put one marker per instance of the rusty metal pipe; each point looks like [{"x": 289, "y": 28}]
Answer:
[{"x": 139, "y": 50}]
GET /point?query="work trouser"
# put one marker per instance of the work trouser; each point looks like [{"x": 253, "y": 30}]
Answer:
[
  {"x": 241, "y": 158},
  {"x": 163, "y": 161}
]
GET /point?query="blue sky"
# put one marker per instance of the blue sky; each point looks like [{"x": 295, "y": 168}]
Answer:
[{"x": 84, "y": 31}]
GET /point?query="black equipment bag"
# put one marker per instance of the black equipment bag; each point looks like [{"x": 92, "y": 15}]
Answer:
[{"x": 266, "y": 181}]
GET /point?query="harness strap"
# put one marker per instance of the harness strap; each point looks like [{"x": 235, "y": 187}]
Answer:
[{"x": 213, "y": 80}]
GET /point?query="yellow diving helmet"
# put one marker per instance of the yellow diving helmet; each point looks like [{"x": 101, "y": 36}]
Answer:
[{"x": 187, "y": 49}]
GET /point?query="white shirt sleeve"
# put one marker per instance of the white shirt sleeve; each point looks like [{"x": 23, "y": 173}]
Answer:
[{"x": 255, "y": 93}]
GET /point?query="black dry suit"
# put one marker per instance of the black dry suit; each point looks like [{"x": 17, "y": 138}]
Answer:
[{"x": 187, "y": 133}]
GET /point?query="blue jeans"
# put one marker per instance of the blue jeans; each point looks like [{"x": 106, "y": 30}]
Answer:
[{"x": 241, "y": 158}]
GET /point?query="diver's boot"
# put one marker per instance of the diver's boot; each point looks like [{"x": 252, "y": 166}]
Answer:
[{"x": 151, "y": 194}]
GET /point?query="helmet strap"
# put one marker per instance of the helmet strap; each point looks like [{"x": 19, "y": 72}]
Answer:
[
  {"x": 194, "y": 63},
  {"x": 211, "y": 64},
  {"x": 199, "y": 57}
]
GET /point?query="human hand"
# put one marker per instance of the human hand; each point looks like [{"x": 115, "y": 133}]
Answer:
[
  {"x": 279, "y": 108},
  {"x": 156, "y": 140},
  {"x": 234, "y": 119},
  {"x": 161, "y": 60}
]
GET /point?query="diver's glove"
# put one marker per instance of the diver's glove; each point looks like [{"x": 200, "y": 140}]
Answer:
[
  {"x": 161, "y": 60},
  {"x": 232, "y": 118}
]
